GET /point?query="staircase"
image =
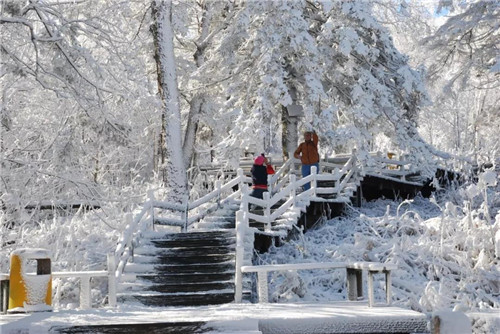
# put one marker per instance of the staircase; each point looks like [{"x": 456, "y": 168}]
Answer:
[{"x": 184, "y": 269}]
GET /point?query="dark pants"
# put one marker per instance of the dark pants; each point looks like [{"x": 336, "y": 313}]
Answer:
[{"x": 258, "y": 193}]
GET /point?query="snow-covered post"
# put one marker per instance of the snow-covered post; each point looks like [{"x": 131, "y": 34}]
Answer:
[
  {"x": 244, "y": 197},
  {"x": 151, "y": 197},
  {"x": 129, "y": 247},
  {"x": 270, "y": 184},
  {"x": 262, "y": 286},
  {"x": 240, "y": 251},
  {"x": 293, "y": 192},
  {"x": 218, "y": 185},
  {"x": 267, "y": 211},
  {"x": 370, "y": 289},
  {"x": 314, "y": 173},
  {"x": 85, "y": 301},
  {"x": 111, "y": 280},
  {"x": 241, "y": 178}
]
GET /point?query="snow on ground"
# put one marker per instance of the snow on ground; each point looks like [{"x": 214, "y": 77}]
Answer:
[
  {"x": 446, "y": 249},
  {"x": 271, "y": 318}
]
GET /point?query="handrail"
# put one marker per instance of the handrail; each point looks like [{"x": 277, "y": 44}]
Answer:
[
  {"x": 133, "y": 230},
  {"x": 280, "y": 188}
]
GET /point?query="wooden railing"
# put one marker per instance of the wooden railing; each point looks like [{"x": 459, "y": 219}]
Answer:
[{"x": 284, "y": 188}]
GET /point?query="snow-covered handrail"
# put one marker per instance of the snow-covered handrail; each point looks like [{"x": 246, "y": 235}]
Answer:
[
  {"x": 186, "y": 218},
  {"x": 85, "y": 276},
  {"x": 133, "y": 231}
]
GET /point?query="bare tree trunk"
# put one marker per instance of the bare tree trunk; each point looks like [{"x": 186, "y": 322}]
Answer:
[{"x": 175, "y": 178}]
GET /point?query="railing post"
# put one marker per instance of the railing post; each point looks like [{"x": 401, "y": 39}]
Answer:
[
  {"x": 241, "y": 177},
  {"x": 314, "y": 172},
  {"x": 184, "y": 215},
  {"x": 270, "y": 184},
  {"x": 111, "y": 280},
  {"x": 240, "y": 251},
  {"x": 371, "y": 300},
  {"x": 218, "y": 185},
  {"x": 85, "y": 301},
  {"x": 293, "y": 192},
  {"x": 151, "y": 197},
  {"x": 262, "y": 286},
  {"x": 244, "y": 197},
  {"x": 388, "y": 287},
  {"x": 129, "y": 220},
  {"x": 267, "y": 211}
]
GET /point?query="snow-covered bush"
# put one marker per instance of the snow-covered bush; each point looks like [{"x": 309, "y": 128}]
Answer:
[{"x": 446, "y": 249}]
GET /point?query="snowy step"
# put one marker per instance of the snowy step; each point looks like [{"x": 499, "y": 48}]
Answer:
[
  {"x": 169, "y": 243},
  {"x": 192, "y": 299},
  {"x": 187, "y": 278},
  {"x": 165, "y": 269},
  {"x": 138, "y": 328},
  {"x": 180, "y": 258},
  {"x": 182, "y": 287},
  {"x": 209, "y": 250},
  {"x": 185, "y": 236}
]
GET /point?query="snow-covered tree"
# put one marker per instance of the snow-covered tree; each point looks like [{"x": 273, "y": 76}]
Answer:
[
  {"x": 463, "y": 72},
  {"x": 77, "y": 107},
  {"x": 350, "y": 80}
]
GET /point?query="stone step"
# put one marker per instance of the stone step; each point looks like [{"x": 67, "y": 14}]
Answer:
[
  {"x": 181, "y": 258},
  {"x": 137, "y": 328},
  {"x": 208, "y": 250},
  {"x": 184, "y": 299},
  {"x": 170, "y": 269},
  {"x": 187, "y": 278},
  {"x": 165, "y": 243},
  {"x": 182, "y": 287}
]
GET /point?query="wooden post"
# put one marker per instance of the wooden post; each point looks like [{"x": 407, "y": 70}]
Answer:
[
  {"x": 293, "y": 193},
  {"x": 129, "y": 220},
  {"x": 354, "y": 284},
  {"x": 262, "y": 286},
  {"x": 240, "y": 250},
  {"x": 388, "y": 287},
  {"x": 244, "y": 197},
  {"x": 4, "y": 295},
  {"x": 371, "y": 301},
  {"x": 314, "y": 172},
  {"x": 267, "y": 211},
  {"x": 85, "y": 301},
  {"x": 151, "y": 196},
  {"x": 218, "y": 185},
  {"x": 111, "y": 280}
]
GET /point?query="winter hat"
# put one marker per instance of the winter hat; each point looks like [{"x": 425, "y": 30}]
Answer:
[{"x": 259, "y": 160}]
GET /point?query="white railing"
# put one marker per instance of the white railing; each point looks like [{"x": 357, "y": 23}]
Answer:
[
  {"x": 135, "y": 228},
  {"x": 184, "y": 215},
  {"x": 85, "y": 276},
  {"x": 341, "y": 171}
]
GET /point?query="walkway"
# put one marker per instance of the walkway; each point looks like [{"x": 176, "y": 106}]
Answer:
[{"x": 335, "y": 317}]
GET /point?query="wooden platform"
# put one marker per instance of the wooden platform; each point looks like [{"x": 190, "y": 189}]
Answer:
[{"x": 335, "y": 317}]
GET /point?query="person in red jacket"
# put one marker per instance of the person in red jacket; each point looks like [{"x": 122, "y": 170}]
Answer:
[
  {"x": 260, "y": 169},
  {"x": 308, "y": 154}
]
